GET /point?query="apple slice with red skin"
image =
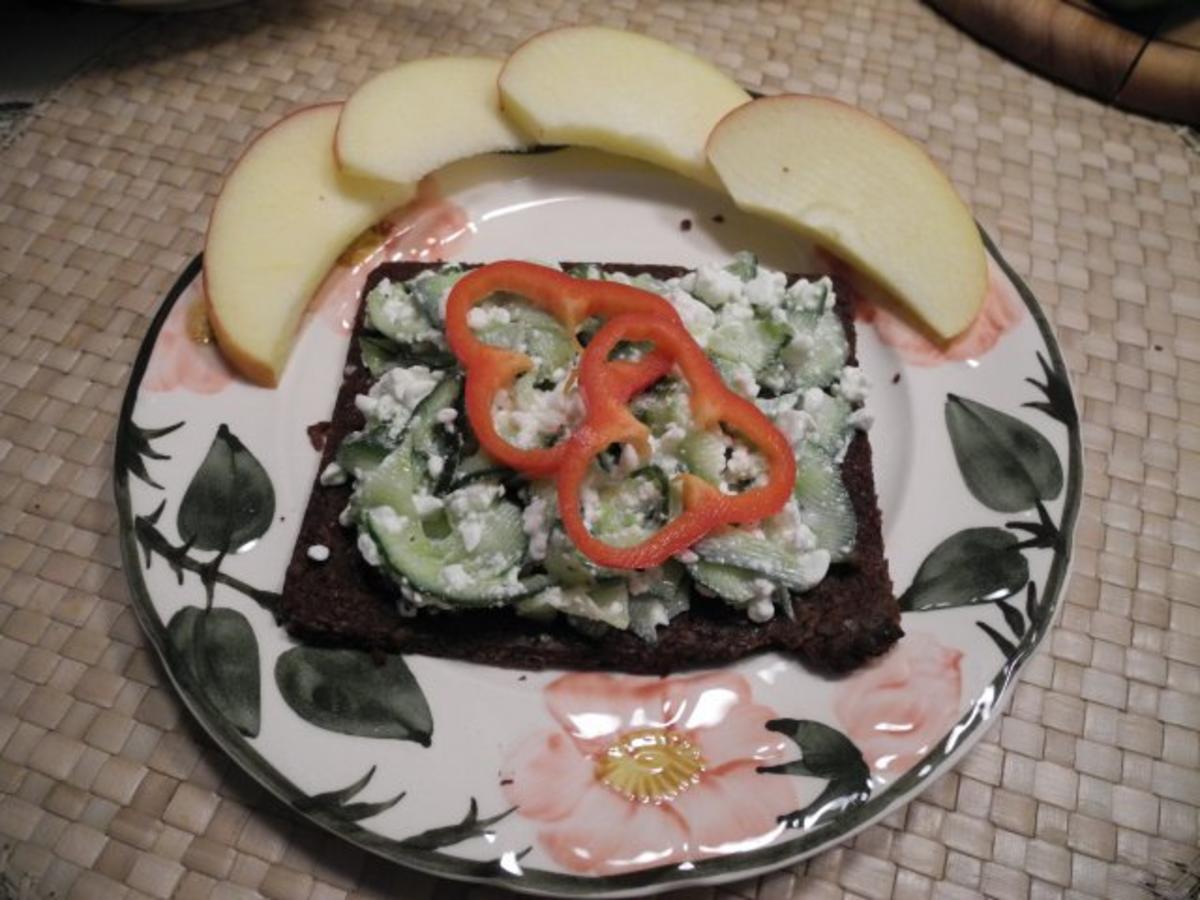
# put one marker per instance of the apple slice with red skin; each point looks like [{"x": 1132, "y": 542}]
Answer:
[
  {"x": 862, "y": 190},
  {"x": 284, "y": 215}
]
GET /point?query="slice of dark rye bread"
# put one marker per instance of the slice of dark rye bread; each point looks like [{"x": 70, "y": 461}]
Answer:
[{"x": 849, "y": 617}]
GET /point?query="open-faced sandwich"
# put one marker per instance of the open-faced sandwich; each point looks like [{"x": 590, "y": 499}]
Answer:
[
  {"x": 628, "y": 467},
  {"x": 633, "y": 467}
]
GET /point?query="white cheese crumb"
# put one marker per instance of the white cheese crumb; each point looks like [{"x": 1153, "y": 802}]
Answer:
[
  {"x": 853, "y": 385},
  {"x": 346, "y": 516},
  {"x": 318, "y": 553},
  {"x": 742, "y": 380},
  {"x": 810, "y": 296},
  {"x": 766, "y": 288},
  {"x": 797, "y": 351},
  {"x": 762, "y": 607},
  {"x": 332, "y": 474},
  {"x": 474, "y": 498},
  {"x": 471, "y": 531},
  {"x": 535, "y": 521},
  {"x": 482, "y": 316},
  {"x": 435, "y": 466},
  {"x": 392, "y": 399},
  {"x": 426, "y": 504},
  {"x": 456, "y": 577},
  {"x": 794, "y": 425},
  {"x": 861, "y": 419},
  {"x": 446, "y": 416},
  {"x": 368, "y": 548},
  {"x": 697, "y": 318},
  {"x": 715, "y": 286},
  {"x": 387, "y": 519},
  {"x": 687, "y": 557}
]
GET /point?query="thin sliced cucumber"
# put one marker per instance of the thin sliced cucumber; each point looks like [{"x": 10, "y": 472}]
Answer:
[
  {"x": 380, "y": 354},
  {"x": 703, "y": 452},
  {"x": 396, "y": 314},
  {"x": 755, "y": 342},
  {"x": 831, "y": 421},
  {"x": 606, "y": 602},
  {"x": 633, "y": 507},
  {"x": 658, "y": 603},
  {"x": 485, "y": 575},
  {"x": 533, "y": 332},
  {"x": 799, "y": 571},
  {"x": 821, "y": 362},
  {"x": 824, "y": 502},
  {"x": 431, "y": 291},
  {"x": 362, "y": 452},
  {"x": 731, "y": 583},
  {"x": 744, "y": 265}
]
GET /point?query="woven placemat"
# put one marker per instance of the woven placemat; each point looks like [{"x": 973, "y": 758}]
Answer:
[{"x": 1090, "y": 784}]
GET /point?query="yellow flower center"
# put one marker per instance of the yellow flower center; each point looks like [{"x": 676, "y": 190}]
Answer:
[{"x": 650, "y": 765}]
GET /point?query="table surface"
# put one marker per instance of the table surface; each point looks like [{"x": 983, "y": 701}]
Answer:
[{"x": 1090, "y": 783}]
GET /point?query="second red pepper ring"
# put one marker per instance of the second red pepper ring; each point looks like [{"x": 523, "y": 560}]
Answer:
[
  {"x": 609, "y": 421},
  {"x": 490, "y": 369}
]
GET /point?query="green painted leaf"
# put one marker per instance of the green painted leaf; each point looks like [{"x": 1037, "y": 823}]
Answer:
[
  {"x": 218, "y": 650},
  {"x": 1004, "y": 644},
  {"x": 230, "y": 500},
  {"x": 824, "y": 751},
  {"x": 1007, "y": 464},
  {"x": 134, "y": 447},
  {"x": 335, "y": 803},
  {"x": 471, "y": 826},
  {"x": 976, "y": 565},
  {"x": 348, "y": 692},
  {"x": 227, "y": 661}
]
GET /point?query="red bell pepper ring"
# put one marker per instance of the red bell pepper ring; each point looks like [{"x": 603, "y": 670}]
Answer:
[
  {"x": 609, "y": 421},
  {"x": 490, "y": 369}
]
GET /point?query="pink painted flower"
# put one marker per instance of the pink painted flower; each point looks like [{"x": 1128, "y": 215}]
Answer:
[
  {"x": 1001, "y": 312},
  {"x": 899, "y": 707},
  {"x": 185, "y": 355},
  {"x": 645, "y": 772}
]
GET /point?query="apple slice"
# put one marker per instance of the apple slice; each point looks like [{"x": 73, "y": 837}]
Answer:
[
  {"x": 419, "y": 116},
  {"x": 860, "y": 188},
  {"x": 618, "y": 91},
  {"x": 283, "y": 215}
]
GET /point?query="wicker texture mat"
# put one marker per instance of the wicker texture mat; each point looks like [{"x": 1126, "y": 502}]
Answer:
[{"x": 1088, "y": 787}]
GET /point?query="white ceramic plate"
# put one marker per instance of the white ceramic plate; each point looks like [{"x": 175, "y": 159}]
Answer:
[{"x": 491, "y": 774}]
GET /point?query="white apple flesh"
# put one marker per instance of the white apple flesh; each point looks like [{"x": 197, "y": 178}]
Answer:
[
  {"x": 618, "y": 91},
  {"x": 284, "y": 215},
  {"x": 861, "y": 189},
  {"x": 408, "y": 121}
]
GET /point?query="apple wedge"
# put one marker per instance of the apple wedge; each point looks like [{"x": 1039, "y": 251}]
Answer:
[
  {"x": 408, "y": 121},
  {"x": 861, "y": 189},
  {"x": 283, "y": 215},
  {"x": 618, "y": 91}
]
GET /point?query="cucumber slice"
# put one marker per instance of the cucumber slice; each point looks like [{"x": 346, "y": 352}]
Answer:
[
  {"x": 831, "y": 421},
  {"x": 631, "y": 509},
  {"x": 430, "y": 292},
  {"x": 799, "y": 571},
  {"x": 607, "y": 603},
  {"x": 824, "y": 502},
  {"x": 820, "y": 364},
  {"x": 703, "y": 452},
  {"x": 380, "y": 354},
  {"x": 659, "y": 603},
  {"x": 396, "y": 314},
  {"x": 744, "y": 265},
  {"x": 485, "y": 575},
  {"x": 755, "y": 342},
  {"x": 535, "y": 333},
  {"x": 664, "y": 404},
  {"x": 362, "y": 452},
  {"x": 731, "y": 583}
]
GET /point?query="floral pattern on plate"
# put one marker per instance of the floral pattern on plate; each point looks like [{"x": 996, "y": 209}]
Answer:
[{"x": 596, "y": 784}]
